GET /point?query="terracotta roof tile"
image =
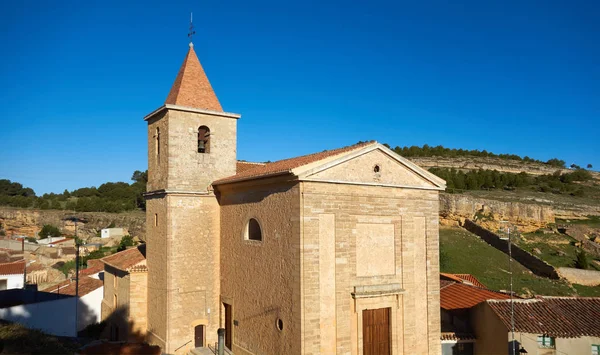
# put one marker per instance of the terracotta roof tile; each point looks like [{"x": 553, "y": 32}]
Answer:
[
  {"x": 565, "y": 317},
  {"x": 67, "y": 287},
  {"x": 457, "y": 336},
  {"x": 94, "y": 266},
  {"x": 14, "y": 268},
  {"x": 286, "y": 165},
  {"x": 462, "y": 296},
  {"x": 463, "y": 278},
  {"x": 191, "y": 87},
  {"x": 246, "y": 165},
  {"x": 125, "y": 259}
]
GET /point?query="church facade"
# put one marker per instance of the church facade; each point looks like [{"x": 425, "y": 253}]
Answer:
[{"x": 333, "y": 252}]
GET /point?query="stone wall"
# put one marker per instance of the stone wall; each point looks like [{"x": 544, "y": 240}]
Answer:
[
  {"x": 397, "y": 226},
  {"x": 261, "y": 279},
  {"x": 537, "y": 266}
]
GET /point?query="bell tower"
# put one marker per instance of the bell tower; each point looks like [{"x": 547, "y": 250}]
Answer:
[{"x": 191, "y": 143}]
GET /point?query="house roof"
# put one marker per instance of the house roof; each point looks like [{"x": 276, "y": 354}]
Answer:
[
  {"x": 457, "y": 336},
  {"x": 62, "y": 241},
  {"x": 67, "y": 287},
  {"x": 565, "y": 317},
  {"x": 463, "y": 278},
  {"x": 246, "y": 165},
  {"x": 462, "y": 296},
  {"x": 125, "y": 259},
  {"x": 94, "y": 266},
  {"x": 13, "y": 268},
  {"x": 191, "y": 87}
]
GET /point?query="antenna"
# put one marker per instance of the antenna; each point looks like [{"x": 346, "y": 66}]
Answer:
[{"x": 192, "y": 32}]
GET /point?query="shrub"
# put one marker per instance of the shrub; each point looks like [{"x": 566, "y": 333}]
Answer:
[
  {"x": 582, "y": 262},
  {"x": 126, "y": 241},
  {"x": 49, "y": 230}
]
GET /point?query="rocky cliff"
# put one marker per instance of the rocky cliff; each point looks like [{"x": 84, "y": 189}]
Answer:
[
  {"x": 503, "y": 165},
  {"x": 28, "y": 222}
]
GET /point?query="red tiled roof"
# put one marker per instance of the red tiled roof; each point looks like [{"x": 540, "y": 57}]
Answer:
[
  {"x": 285, "y": 166},
  {"x": 94, "y": 266},
  {"x": 191, "y": 87},
  {"x": 461, "y": 296},
  {"x": 35, "y": 267},
  {"x": 457, "y": 336},
  {"x": 245, "y": 165},
  {"x": 565, "y": 317},
  {"x": 14, "y": 268},
  {"x": 125, "y": 259},
  {"x": 67, "y": 287},
  {"x": 463, "y": 278},
  {"x": 61, "y": 241}
]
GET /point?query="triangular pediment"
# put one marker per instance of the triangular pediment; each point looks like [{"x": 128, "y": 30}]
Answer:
[{"x": 374, "y": 165}]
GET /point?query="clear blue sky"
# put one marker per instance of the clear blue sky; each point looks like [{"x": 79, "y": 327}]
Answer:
[{"x": 77, "y": 78}]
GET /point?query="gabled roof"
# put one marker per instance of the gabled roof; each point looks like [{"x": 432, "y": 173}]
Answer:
[
  {"x": 565, "y": 317},
  {"x": 462, "y": 296},
  {"x": 67, "y": 287},
  {"x": 14, "y": 268},
  {"x": 308, "y": 164},
  {"x": 462, "y": 278},
  {"x": 191, "y": 87},
  {"x": 125, "y": 260},
  {"x": 246, "y": 165}
]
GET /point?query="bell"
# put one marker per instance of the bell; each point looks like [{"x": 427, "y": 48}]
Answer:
[{"x": 200, "y": 146}]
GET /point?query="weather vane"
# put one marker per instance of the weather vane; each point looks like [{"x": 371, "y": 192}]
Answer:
[{"x": 192, "y": 32}]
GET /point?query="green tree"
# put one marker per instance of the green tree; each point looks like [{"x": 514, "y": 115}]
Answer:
[
  {"x": 589, "y": 166},
  {"x": 126, "y": 241},
  {"x": 49, "y": 230}
]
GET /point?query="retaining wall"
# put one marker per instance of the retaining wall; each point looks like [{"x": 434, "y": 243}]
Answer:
[{"x": 537, "y": 266}]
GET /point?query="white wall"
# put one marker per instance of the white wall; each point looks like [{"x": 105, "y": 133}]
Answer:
[
  {"x": 112, "y": 232},
  {"x": 13, "y": 281},
  {"x": 52, "y": 317},
  {"x": 92, "y": 312}
]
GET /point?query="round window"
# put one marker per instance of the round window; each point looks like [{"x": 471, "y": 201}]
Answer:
[{"x": 376, "y": 169}]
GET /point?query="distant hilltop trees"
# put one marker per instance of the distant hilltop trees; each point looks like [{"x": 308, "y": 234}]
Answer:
[
  {"x": 440, "y": 151},
  {"x": 108, "y": 197}
]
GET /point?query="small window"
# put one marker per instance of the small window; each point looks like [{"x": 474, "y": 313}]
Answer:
[
  {"x": 279, "y": 324},
  {"x": 3, "y": 284},
  {"x": 115, "y": 302},
  {"x": 376, "y": 169},
  {"x": 156, "y": 219},
  {"x": 545, "y": 341},
  {"x": 157, "y": 144},
  {"x": 595, "y": 349},
  {"x": 115, "y": 282},
  {"x": 253, "y": 231},
  {"x": 203, "y": 139}
]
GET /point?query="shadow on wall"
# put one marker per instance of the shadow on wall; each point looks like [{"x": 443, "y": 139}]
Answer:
[
  {"x": 49, "y": 312},
  {"x": 117, "y": 336}
]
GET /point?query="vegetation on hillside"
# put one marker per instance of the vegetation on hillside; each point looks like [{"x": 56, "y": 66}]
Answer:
[
  {"x": 440, "y": 151},
  {"x": 558, "y": 183},
  {"x": 108, "y": 197},
  {"x": 491, "y": 267}
]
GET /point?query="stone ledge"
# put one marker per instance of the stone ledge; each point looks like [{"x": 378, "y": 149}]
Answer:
[{"x": 377, "y": 290}]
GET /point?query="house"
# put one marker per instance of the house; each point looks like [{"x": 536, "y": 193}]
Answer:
[
  {"x": 90, "y": 291},
  {"x": 459, "y": 293},
  {"x": 125, "y": 290},
  {"x": 49, "y": 240},
  {"x": 544, "y": 325},
  {"x": 331, "y": 252},
  {"x": 12, "y": 275},
  {"x": 112, "y": 233}
]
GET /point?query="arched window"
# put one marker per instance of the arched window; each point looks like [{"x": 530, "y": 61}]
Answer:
[
  {"x": 157, "y": 143},
  {"x": 253, "y": 231},
  {"x": 203, "y": 139}
]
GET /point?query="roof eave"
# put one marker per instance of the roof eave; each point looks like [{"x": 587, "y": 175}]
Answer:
[{"x": 191, "y": 109}]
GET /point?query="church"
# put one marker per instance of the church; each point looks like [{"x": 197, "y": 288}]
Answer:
[{"x": 335, "y": 252}]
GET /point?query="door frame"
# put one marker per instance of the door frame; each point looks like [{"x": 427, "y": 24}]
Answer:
[{"x": 395, "y": 303}]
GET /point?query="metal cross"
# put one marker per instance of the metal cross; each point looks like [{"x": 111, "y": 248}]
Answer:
[{"x": 192, "y": 32}]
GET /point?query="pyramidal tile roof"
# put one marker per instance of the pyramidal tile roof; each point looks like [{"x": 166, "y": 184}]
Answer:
[{"x": 191, "y": 87}]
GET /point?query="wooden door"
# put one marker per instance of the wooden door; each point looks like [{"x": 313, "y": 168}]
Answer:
[
  {"x": 228, "y": 325},
  {"x": 376, "y": 332},
  {"x": 199, "y": 336}
]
